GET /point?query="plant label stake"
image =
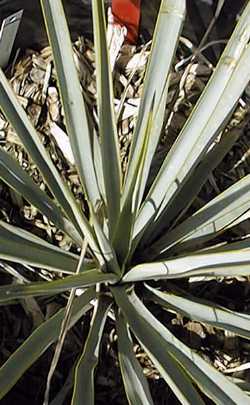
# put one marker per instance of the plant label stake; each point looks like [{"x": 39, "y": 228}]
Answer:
[
  {"x": 127, "y": 13},
  {"x": 8, "y": 33},
  {"x": 115, "y": 38}
]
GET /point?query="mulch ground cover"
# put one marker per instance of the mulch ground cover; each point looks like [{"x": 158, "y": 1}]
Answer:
[{"x": 33, "y": 79}]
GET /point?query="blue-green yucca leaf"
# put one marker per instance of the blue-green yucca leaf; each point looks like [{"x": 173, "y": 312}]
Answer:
[
  {"x": 192, "y": 187},
  {"x": 123, "y": 236},
  {"x": 135, "y": 383},
  {"x": 206, "y": 121},
  {"x": 224, "y": 211},
  {"x": 155, "y": 347},
  {"x": 18, "y": 246},
  {"x": 98, "y": 166},
  {"x": 106, "y": 118},
  {"x": 85, "y": 279},
  {"x": 19, "y": 180},
  {"x": 209, "y": 264},
  {"x": 75, "y": 114},
  {"x": 225, "y": 246},
  {"x": 107, "y": 258},
  {"x": 202, "y": 311},
  {"x": 244, "y": 385},
  {"x": 165, "y": 40},
  {"x": 231, "y": 94},
  {"x": 30, "y": 139},
  {"x": 42, "y": 337},
  {"x": 158, "y": 341},
  {"x": 71, "y": 95},
  {"x": 72, "y": 100},
  {"x": 84, "y": 372}
]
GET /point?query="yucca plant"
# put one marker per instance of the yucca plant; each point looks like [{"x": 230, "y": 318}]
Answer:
[{"x": 134, "y": 235}]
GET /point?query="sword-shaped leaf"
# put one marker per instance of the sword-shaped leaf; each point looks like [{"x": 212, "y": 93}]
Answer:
[
  {"x": 222, "y": 264},
  {"x": 123, "y": 235},
  {"x": 19, "y": 180},
  {"x": 71, "y": 95},
  {"x": 106, "y": 118},
  {"x": 85, "y": 279},
  {"x": 155, "y": 88},
  {"x": 223, "y": 212},
  {"x": 202, "y": 311},
  {"x": 155, "y": 346},
  {"x": 30, "y": 139},
  {"x": 33, "y": 145},
  {"x": 74, "y": 108},
  {"x": 158, "y": 340},
  {"x": 191, "y": 188},
  {"x": 18, "y": 246},
  {"x": 39, "y": 341},
  {"x": 206, "y": 121},
  {"x": 84, "y": 372},
  {"x": 135, "y": 383}
]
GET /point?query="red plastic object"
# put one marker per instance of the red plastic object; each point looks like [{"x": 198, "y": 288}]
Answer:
[{"x": 128, "y": 13}]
